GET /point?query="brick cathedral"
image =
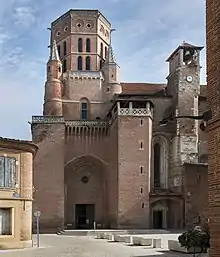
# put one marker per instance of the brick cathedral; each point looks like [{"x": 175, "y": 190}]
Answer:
[{"x": 102, "y": 155}]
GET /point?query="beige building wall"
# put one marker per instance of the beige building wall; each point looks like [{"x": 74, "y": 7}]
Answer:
[{"x": 16, "y": 166}]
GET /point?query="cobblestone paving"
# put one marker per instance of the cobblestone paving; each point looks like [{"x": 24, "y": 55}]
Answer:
[{"x": 69, "y": 246}]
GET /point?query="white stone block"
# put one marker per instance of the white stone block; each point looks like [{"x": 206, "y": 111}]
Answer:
[
  {"x": 146, "y": 241},
  {"x": 136, "y": 240},
  {"x": 174, "y": 245},
  {"x": 157, "y": 243},
  {"x": 119, "y": 238}
]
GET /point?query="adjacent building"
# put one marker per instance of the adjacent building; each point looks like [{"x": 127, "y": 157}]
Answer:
[
  {"x": 102, "y": 155},
  {"x": 16, "y": 188},
  {"x": 213, "y": 92}
]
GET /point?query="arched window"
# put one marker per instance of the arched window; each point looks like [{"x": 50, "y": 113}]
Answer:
[
  {"x": 79, "y": 63},
  {"x": 106, "y": 52},
  {"x": 157, "y": 160},
  {"x": 84, "y": 110},
  {"x": 80, "y": 45},
  {"x": 88, "y": 45},
  {"x": 101, "y": 50},
  {"x": 160, "y": 162},
  {"x": 64, "y": 65},
  {"x": 64, "y": 48},
  {"x": 88, "y": 63}
]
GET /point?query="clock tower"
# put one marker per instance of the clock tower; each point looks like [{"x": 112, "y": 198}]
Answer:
[{"x": 184, "y": 86}]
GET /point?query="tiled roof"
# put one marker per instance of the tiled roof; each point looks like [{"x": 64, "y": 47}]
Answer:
[
  {"x": 18, "y": 144},
  {"x": 54, "y": 55},
  {"x": 141, "y": 88},
  {"x": 150, "y": 88}
]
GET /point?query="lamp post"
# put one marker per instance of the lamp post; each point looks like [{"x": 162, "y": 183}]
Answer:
[{"x": 205, "y": 117}]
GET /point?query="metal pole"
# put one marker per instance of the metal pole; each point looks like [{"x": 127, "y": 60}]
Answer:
[{"x": 38, "y": 230}]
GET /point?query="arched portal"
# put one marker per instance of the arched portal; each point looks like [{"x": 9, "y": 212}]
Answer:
[
  {"x": 167, "y": 213},
  {"x": 85, "y": 192}
]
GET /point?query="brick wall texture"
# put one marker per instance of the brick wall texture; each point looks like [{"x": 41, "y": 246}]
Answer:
[
  {"x": 116, "y": 158},
  {"x": 213, "y": 82}
]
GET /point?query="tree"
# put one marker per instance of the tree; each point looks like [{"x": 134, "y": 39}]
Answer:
[{"x": 195, "y": 238}]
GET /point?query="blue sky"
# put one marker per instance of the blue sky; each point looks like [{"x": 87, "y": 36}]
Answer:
[{"x": 147, "y": 31}]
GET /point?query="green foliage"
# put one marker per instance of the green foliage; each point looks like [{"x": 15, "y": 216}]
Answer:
[{"x": 195, "y": 238}]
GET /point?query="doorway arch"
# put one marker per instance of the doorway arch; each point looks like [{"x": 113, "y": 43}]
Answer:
[{"x": 85, "y": 192}]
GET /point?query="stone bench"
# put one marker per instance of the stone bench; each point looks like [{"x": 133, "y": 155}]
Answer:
[
  {"x": 100, "y": 235},
  {"x": 157, "y": 243},
  {"x": 129, "y": 239},
  {"x": 119, "y": 238},
  {"x": 175, "y": 246},
  {"x": 136, "y": 240},
  {"x": 146, "y": 241}
]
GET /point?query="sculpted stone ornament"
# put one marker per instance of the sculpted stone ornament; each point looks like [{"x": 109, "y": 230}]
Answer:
[{"x": 189, "y": 78}]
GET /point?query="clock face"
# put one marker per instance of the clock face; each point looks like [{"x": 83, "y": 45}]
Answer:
[{"x": 189, "y": 78}]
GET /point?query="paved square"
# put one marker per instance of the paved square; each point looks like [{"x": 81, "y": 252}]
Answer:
[{"x": 70, "y": 246}]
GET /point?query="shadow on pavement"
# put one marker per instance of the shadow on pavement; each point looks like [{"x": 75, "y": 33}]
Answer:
[{"x": 171, "y": 254}]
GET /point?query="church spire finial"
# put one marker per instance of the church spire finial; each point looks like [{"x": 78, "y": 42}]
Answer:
[{"x": 54, "y": 55}]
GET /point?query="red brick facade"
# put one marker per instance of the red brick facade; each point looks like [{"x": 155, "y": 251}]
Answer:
[
  {"x": 101, "y": 149},
  {"x": 213, "y": 81}
]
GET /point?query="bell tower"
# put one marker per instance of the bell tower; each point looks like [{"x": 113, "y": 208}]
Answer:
[
  {"x": 53, "y": 86},
  {"x": 184, "y": 86},
  {"x": 110, "y": 69}
]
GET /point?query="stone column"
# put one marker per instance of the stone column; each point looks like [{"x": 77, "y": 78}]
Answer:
[{"x": 26, "y": 194}]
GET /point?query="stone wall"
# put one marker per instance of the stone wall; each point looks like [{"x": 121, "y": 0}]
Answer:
[
  {"x": 213, "y": 81},
  {"x": 49, "y": 174},
  {"x": 196, "y": 194},
  {"x": 134, "y": 146}
]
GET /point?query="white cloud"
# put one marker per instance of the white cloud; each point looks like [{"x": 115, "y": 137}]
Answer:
[
  {"x": 146, "y": 33},
  {"x": 24, "y": 16}
]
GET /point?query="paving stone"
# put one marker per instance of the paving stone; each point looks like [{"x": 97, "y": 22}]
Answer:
[{"x": 69, "y": 246}]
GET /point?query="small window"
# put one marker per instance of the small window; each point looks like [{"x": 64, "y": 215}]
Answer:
[
  {"x": 84, "y": 111},
  {"x": 141, "y": 170},
  {"x": 58, "y": 50},
  {"x": 198, "y": 177},
  {"x": 141, "y": 190},
  {"x": 106, "y": 52},
  {"x": 64, "y": 48},
  {"x": 88, "y": 45},
  {"x": 100, "y": 64},
  {"x": 80, "y": 45},
  {"x": 64, "y": 66},
  {"x": 101, "y": 50},
  {"x": 7, "y": 171},
  {"x": 142, "y": 205},
  {"x": 141, "y": 122},
  {"x": 5, "y": 221},
  {"x": 108, "y": 89},
  {"x": 79, "y": 63},
  {"x": 141, "y": 145},
  {"x": 88, "y": 63}
]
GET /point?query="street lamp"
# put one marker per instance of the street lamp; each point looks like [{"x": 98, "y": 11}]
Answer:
[{"x": 206, "y": 116}]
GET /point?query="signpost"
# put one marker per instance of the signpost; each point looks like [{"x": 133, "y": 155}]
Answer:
[{"x": 37, "y": 215}]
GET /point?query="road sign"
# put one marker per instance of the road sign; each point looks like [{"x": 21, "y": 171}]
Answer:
[{"x": 37, "y": 214}]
